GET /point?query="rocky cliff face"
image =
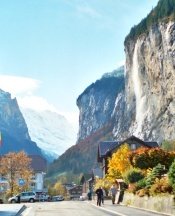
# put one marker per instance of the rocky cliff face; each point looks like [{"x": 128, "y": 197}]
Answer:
[
  {"x": 98, "y": 102},
  {"x": 145, "y": 107},
  {"x": 144, "y": 104},
  {"x": 14, "y": 131},
  {"x": 150, "y": 83},
  {"x": 98, "y": 106}
]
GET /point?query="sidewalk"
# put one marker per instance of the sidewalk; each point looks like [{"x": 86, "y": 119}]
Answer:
[
  {"x": 122, "y": 210},
  {"x": 11, "y": 210}
]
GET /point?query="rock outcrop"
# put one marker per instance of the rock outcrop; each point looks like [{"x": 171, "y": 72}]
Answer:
[
  {"x": 145, "y": 105},
  {"x": 13, "y": 128},
  {"x": 150, "y": 83},
  {"x": 98, "y": 102}
]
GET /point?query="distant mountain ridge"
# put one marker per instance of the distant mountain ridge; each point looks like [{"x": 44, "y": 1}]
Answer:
[{"x": 13, "y": 128}]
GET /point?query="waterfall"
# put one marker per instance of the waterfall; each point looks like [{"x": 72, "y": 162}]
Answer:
[{"x": 140, "y": 99}]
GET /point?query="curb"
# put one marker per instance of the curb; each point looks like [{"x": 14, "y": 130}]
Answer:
[
  {"x": 29, "y": 211},
  {"x": 143, "y": 209},
  {"x": 21, "y": 210}
]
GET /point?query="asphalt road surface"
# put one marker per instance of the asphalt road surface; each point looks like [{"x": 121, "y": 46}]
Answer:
[
  {"x": 81, "y": 208},
  {"x": 65, "y": 208}
]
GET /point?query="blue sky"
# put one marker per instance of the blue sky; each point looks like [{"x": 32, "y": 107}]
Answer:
[{"x": 56, "y": 48}]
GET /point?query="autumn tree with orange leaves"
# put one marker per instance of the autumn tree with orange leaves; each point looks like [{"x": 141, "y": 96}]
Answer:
[
  {"x": 145, "y": 158},
  {"x": 119, "y": 163},
  {"x": 14, "y": 166}
]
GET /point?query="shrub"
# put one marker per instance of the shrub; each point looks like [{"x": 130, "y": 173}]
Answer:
[
  {"x": 142, "y": 192},
  {"x": 156, "y": 172},
  {"x": 168, "y": 145},
  {"x": 132, "y": 188},
  {"x": 133, "y": 175},
  {"x": 160, "y": 186},
  {"x": 141, "y": 184},
  {"x": 145, "y": 158}
]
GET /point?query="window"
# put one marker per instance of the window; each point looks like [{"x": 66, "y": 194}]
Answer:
[{"x": 133, "y": 146}]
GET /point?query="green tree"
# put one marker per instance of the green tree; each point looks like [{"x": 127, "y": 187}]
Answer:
[
  {"x": 164, "y": 10},
  {"x": 168, "y": 145},
  {"x": 157, "y": 172},
  {"x": 133, "y": 175},
  {"x": 171, "y": 175}
]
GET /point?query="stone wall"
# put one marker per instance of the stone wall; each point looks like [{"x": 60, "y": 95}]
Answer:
[{"x": 161, "y": 203}]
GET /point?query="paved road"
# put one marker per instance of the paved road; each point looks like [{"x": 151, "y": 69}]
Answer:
[
  {"x": 65, "y": 208},
  {"x": 81, "y": 208},
  {"x": 127, "y": 211}
]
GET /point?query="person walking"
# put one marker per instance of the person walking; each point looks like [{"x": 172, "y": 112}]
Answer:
[
  {"x": 104, "y": 194},
  {"x": 99, "y": 193},
  {"x": 89, "y": 194},
  {"x": 113, "y": 192}
]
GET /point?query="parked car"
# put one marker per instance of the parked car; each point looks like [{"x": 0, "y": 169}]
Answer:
[
  {"x": 41, "y": 197},
  {"x": 82, "y": 198},
  {"x": 23, "y": 197},
  {"x": 57, "y": 198}
]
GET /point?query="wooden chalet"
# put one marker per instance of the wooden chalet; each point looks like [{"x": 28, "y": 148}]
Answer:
[
  {"x": 87, "y": 180},
  {"x": 107, "y": 148},
  {"x": 75, "y": 192}
]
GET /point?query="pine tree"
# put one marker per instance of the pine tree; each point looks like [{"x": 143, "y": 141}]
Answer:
[
  {"x": 171, "y": 175},
  {"x": 163, "y": 10},
  {"x": 157, "y": 172}
]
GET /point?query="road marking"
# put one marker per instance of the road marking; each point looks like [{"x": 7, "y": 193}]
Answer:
[{"x": 108, "y": 210}]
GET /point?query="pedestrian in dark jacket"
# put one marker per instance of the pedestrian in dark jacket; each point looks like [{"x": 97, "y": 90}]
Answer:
[
  {"x": 104, "y": 194},
  {"x": 99, "y": 193}
]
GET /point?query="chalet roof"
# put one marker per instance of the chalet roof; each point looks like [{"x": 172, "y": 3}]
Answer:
[
  {"x": 106, "y": 147},
  {"x": 152, "y": 144},
  {"x": 85, "y": 177},
  {"x": 75, "y": 187},
  {"x": 149, "y": 144},
  {"x": 38, "y": 163}
]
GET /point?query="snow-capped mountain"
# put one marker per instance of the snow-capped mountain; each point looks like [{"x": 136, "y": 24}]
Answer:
[{"x": 50, "y": 130}]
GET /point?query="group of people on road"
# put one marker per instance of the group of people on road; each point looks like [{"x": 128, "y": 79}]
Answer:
[{"x": 101, "y": 193}]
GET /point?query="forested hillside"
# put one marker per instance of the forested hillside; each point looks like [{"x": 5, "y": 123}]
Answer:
[{"x": 164, "y": 10}]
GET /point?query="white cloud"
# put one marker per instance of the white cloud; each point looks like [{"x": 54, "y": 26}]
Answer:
[
  {"x": 36, "y": 103},
  {"x": 24, "y": 89},
  {"x": 18, "y": 85},
  {"x": 87, "y": 10}
]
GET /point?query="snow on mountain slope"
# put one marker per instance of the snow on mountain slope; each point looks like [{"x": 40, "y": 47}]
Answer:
[{"x": 51, "y": 131}]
